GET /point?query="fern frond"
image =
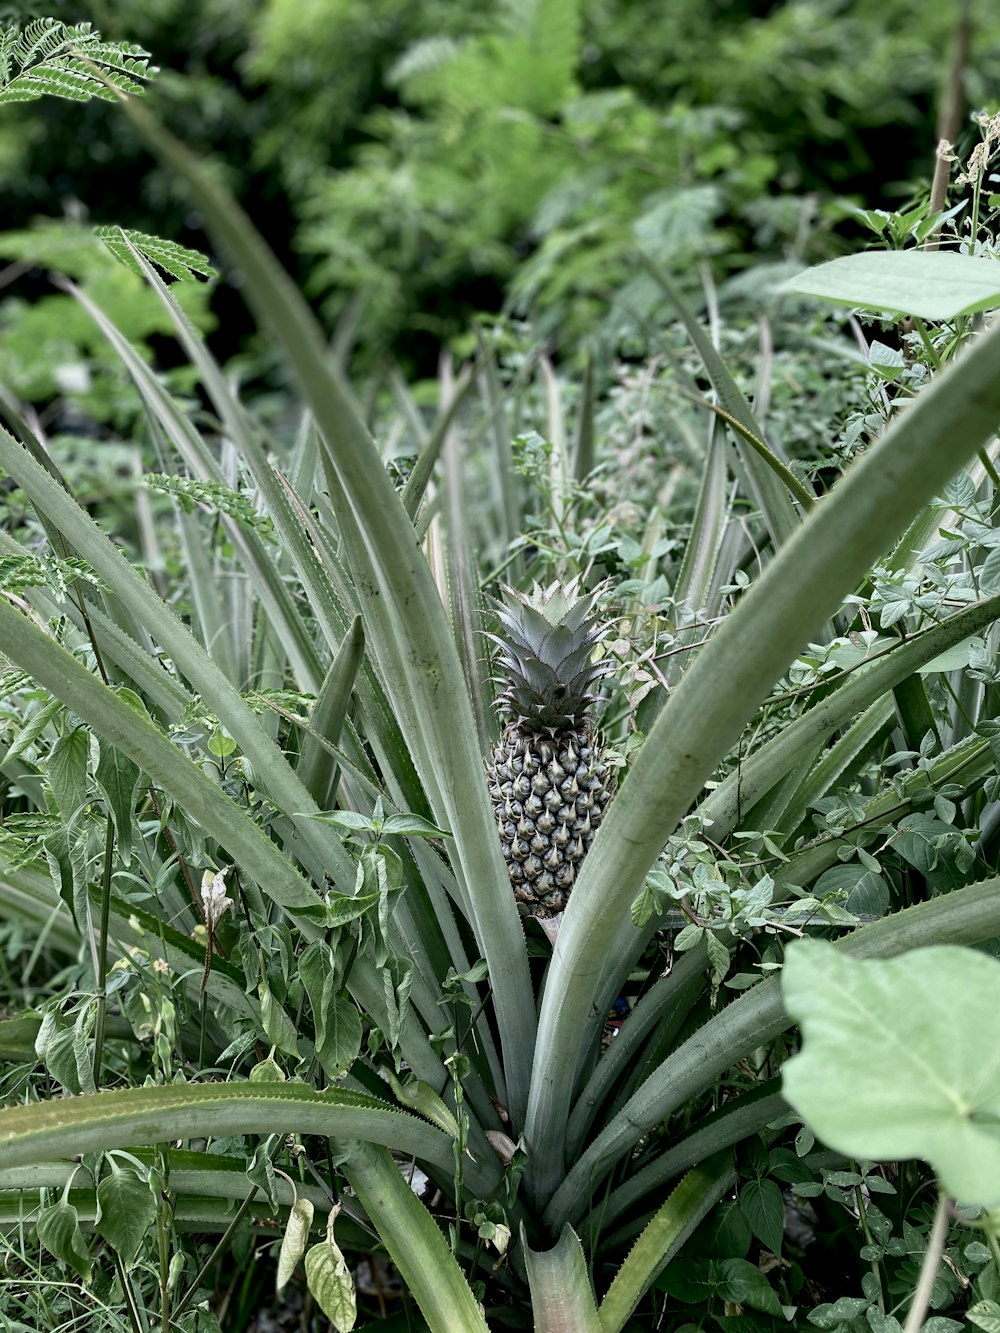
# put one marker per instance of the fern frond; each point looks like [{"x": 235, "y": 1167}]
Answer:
[
  {"x": 177, "y": 260},
  {"x": 425, "y": 57},
  {"x": 46, "y": 571},
  {"x": 49, "y": 57},
  {"x": 212, "y": 495}
]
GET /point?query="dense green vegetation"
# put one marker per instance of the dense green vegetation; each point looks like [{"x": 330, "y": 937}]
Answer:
[{"x": 253, "y": 899}]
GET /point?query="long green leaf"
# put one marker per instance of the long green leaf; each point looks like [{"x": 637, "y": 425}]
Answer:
[
  {"x": 317, "y": 767},
  {"x": 734, "y": 1122},
  {"x": 853, "y": 695},
  {"x": 272, "y": 768},
  {"x": 67, "y": 1126},
  {"x": 767, "y": 487},
  {"x": 417, "y": 1247},
  {"x": 699, "y": 1191},
  {"x": 137, "y": 736},
  {"x": 268, "y": 584},
  {"x": 404, "y": 618},
  {"x": 966, "y": 916},
  {"x": 800, "y": 589}
]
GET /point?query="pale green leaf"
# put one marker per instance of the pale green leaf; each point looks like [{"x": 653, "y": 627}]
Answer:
[
  {"x": 341, "y": 1038},
  {"x": 985, "y": 1315},
  {"x": 561, "y": 1295},
  {"x": 898, "y": 1059},
  {"x": 330, "y": 1281},
  {"x": 930, "y": 284},
  {"x": 419, "y": 1096},
  {"x": 177, "y": 260},
  {"x": 67, "y": 771},
  {"x": 764, "y": 1210},
  {"x": 293, "y": 1242}
]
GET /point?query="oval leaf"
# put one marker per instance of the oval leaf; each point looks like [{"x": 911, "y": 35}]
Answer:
[{"x": 330, "y": 1281}]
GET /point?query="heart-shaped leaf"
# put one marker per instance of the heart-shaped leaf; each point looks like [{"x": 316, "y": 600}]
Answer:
[{"x": 900, "y": 1058}]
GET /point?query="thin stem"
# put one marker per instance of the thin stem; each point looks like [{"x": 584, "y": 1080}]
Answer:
[
  {"x": 929, "y": 1268},
  {"x": 164, "y": 1216},
  {"x": 139, "y": 1325},
  {"x": 102, "y": 949},
  {"x": 224, "y": 1240},
  {"x": 859, "y": 1199},
  {"x": 276, "y": 1147}
]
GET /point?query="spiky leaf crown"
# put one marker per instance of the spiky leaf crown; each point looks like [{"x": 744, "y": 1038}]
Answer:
[{"x": 546, "y": 656}]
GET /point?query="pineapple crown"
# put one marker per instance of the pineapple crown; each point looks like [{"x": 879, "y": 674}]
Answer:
[{"x": 546, "y": 655}]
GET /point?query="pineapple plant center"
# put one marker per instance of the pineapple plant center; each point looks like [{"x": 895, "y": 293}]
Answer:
[{"x": 549, "y": 782}]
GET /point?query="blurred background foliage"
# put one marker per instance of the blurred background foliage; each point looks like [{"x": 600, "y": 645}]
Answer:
[{"x": 417, "y": 165}]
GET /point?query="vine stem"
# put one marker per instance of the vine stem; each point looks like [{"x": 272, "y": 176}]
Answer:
[{"x": 930, "y": 1266}]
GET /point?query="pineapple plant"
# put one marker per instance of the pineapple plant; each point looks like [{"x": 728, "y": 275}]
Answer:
[{"x": 549, "y": 782}]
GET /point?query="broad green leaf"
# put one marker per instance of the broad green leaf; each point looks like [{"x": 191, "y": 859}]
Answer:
[
  {"x": 412, "y": 826},
  {"x": 279, "y": 1027},
  {"x": 59, "y": 1231},
  {"x": 340, "y": 1043},
  {"x": 330, "y": 1280},
  {"x": 985, "y": 1315},
  {"x": 867, "y": 892},
  {"x": 267, "y": 1071},
  {"x": 18, "y": 1036},
  {"x": 735, "y": 1281},
  {"x": 831, "y": 1315},
  {"x": 128, "y": 1209},
  {"x": 260, "y": 1172},
  {"x": 742, "y": 1283},
  {"x": 348, "y": 819},
  {"x": 899, "y": 1060},
  {"x": 67, "y": 771},
  {"x": 930, "y": 284},
  {"x": 119, "y": 778},
  {"x": 397, "y": 978},
  {"x": 295, "y": 1239},
  {"x": 338, "y": 909},
  {"x": 764, "y": 1210}
]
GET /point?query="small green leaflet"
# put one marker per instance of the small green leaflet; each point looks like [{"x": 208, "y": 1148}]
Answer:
[
  {"x": 51, "y": 58},
  {"x": 212, "y": 496},
  {"x": 177, "y": 260}
]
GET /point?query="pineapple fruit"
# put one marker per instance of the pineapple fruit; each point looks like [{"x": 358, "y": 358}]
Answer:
[{"x": 548, "y": 781}]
